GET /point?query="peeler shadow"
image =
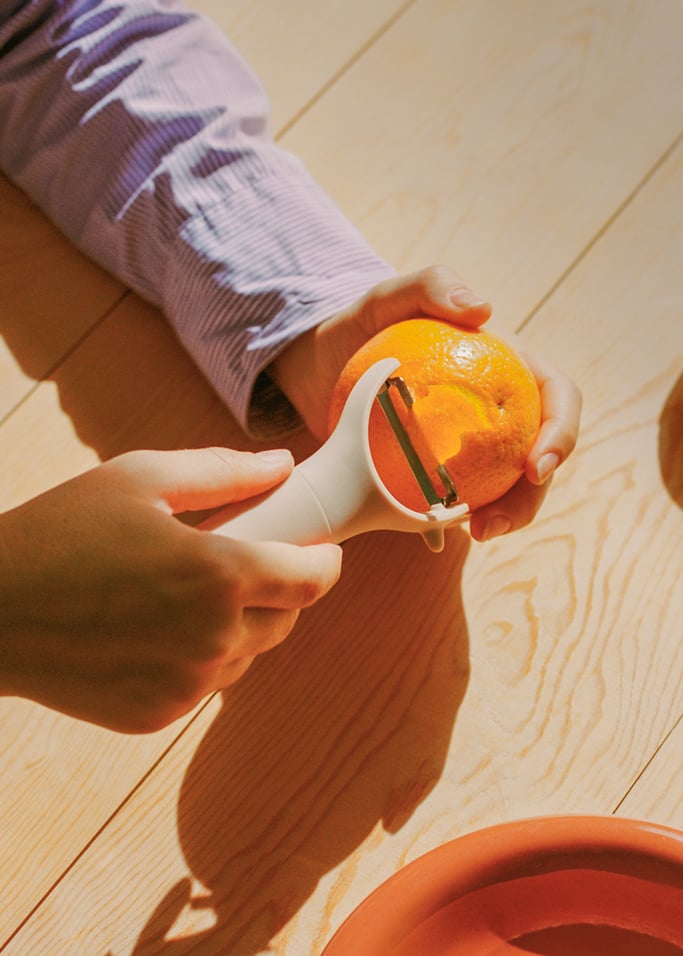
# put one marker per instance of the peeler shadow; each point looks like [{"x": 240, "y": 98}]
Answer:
[
  {"x": 337, "y": 734},
  {"x": 671, "y": 443}
]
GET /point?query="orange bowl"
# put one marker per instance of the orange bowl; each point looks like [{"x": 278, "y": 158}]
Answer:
[{"x": 552, "y": 886}]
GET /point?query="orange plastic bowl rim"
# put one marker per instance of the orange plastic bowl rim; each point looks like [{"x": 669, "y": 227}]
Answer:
[{"x": 548, "y": 885}]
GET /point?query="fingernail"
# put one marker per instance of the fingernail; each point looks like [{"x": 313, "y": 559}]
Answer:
[
  {"x": 466, "y": 298},
  {"x": 547, "y": 465},
  {"x": 496, "y": 527}
]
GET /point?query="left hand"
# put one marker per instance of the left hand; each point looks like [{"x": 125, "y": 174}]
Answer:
[{"x": 308, "y": 369}]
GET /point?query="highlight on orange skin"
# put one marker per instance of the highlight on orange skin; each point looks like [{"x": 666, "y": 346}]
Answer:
[{"x": 477, "y": 409}]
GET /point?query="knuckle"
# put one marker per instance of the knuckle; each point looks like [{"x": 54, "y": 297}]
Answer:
[
  {"x": 230, "y": 457},
  {"x": 310, "y": 591},
  {"x": 286, "y": 621},
  {"x": 436, "y": 274},
  {"x": 530, "y": 503},
  {"x": 220, "y": 571},
  {"x": 262, "y": 630},
  {"x": 283, "y": 627},
  {"x": 433, "y": 279},
  {"x": 166, "y": 693},
  {"x": 211, "y": 606},
  {"x": 570, "y": 438},
  {"x": 567, "y": 437},
  {"x": 131, "y": 467},
  {"x": 371, "y": 303},
  {"x": 318, "y": 582},
  {"x": 577, "y": 398},
  {"x": 133, "y": 461}
]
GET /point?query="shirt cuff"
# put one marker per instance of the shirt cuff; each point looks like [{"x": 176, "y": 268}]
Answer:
[{"x": 249, "y": 273}]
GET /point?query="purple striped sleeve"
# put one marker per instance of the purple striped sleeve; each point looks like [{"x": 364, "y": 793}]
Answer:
[{"x": 143, "y": 134}]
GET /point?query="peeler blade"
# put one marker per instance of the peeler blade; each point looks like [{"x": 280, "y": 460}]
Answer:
[
  {"x": 432, "y": 496},
  {"x": 337, "y": 492}
]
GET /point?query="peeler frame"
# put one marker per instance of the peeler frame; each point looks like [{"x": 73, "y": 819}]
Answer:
[{"x": 337, "y": 493}]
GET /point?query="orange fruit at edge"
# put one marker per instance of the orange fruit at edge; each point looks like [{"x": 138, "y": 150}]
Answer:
[{"x": 477, "y": 409}]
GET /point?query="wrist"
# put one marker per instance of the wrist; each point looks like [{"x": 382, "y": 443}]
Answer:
[{"x": 295, "y": 371}]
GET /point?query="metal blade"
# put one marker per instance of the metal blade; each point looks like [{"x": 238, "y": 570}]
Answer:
[{"x": 430, "y": 493}]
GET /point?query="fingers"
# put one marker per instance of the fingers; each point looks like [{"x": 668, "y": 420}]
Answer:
[
  {"x": 512, "y": 511},
  {"x": 437, "y": 292},
  {"x": 560, "y": 413},
  {"x": 283, "y": 576},
  {"x": 273, "y": 583},
  {"x": 202, "y": 478},
  {"x": 262, "y": 630}
]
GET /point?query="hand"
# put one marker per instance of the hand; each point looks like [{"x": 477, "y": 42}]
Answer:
[
  {"x": 308, "y": 369},
  {"x": 116, "y": 612},
  {"x": 560, "y": 414}
]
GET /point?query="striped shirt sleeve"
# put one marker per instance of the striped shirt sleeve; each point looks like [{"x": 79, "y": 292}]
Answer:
[{"x": 144, "y": 136}]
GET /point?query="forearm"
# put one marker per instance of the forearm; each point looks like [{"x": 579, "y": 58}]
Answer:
[{"x": 143, "y": 135}]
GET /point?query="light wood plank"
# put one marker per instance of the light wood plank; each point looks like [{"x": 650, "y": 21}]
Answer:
[
  {"x": 129, "y": 385},
  {"x": 657, "y": 794},
  {"x": 297, "y": 48},
  {"x": 372, "y": 736},
  {"x": 573, "y": 671},
  {"x": 61, "y": 782},
  {"x": 499, "y": 138},
  {"x": 50, "y": 295},
  {"x": 607, "y": 577}
]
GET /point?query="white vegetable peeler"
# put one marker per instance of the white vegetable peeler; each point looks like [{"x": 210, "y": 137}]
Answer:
[{"x": 337, "y": 492}]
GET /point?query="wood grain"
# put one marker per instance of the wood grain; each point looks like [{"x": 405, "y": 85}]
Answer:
[
  {"x": 61, "y": 783},
  {"x": 499, "y": 140},
  {"x": 428, "y": 694},
  {"x": 299, "y": 48},
  {"x": 50, "y": 296},
  {"x": 392, "y": 721},
  {"x": 128, "y": 385},
  {"x": 656, "y": 794}
]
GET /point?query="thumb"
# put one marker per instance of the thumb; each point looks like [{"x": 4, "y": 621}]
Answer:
[
  {"x": 203, "y": 478},
  {"x": 437, "y": 292}
]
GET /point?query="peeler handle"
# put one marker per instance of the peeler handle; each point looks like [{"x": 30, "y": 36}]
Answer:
[
  {"x": 330, "y": 496},
  {"x": 336, "y": 493},
  {"x": 291, "y": 513}
]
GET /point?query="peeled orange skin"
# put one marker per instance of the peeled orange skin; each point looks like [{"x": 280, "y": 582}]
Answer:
[{"x": 477, "y": 410}]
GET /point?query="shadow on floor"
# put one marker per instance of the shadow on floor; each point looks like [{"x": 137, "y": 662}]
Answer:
[
  {"x": 321, "y": 745},
  {"x": 671, "y": 443}
]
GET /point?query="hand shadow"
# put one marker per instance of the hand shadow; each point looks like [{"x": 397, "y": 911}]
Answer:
[
  {"x": 343, "y": 727},
  {"x": 671, "y": 443},
  {"x": 347, "y": 724}
]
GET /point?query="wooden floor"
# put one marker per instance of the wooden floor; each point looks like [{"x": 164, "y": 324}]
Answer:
[{"x": 536, "y": 147}]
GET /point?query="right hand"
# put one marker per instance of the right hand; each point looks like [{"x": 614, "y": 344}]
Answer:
[{"x": 115, "y": 612}]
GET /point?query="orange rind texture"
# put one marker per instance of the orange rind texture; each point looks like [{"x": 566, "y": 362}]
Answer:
[{"x": 477, "y": 409}]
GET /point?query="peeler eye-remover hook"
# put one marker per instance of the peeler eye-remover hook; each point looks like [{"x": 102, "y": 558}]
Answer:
[{"x": 337, "y": 492}]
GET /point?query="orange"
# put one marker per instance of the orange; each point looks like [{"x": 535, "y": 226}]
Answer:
[{"x": 477, "y": 410}]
